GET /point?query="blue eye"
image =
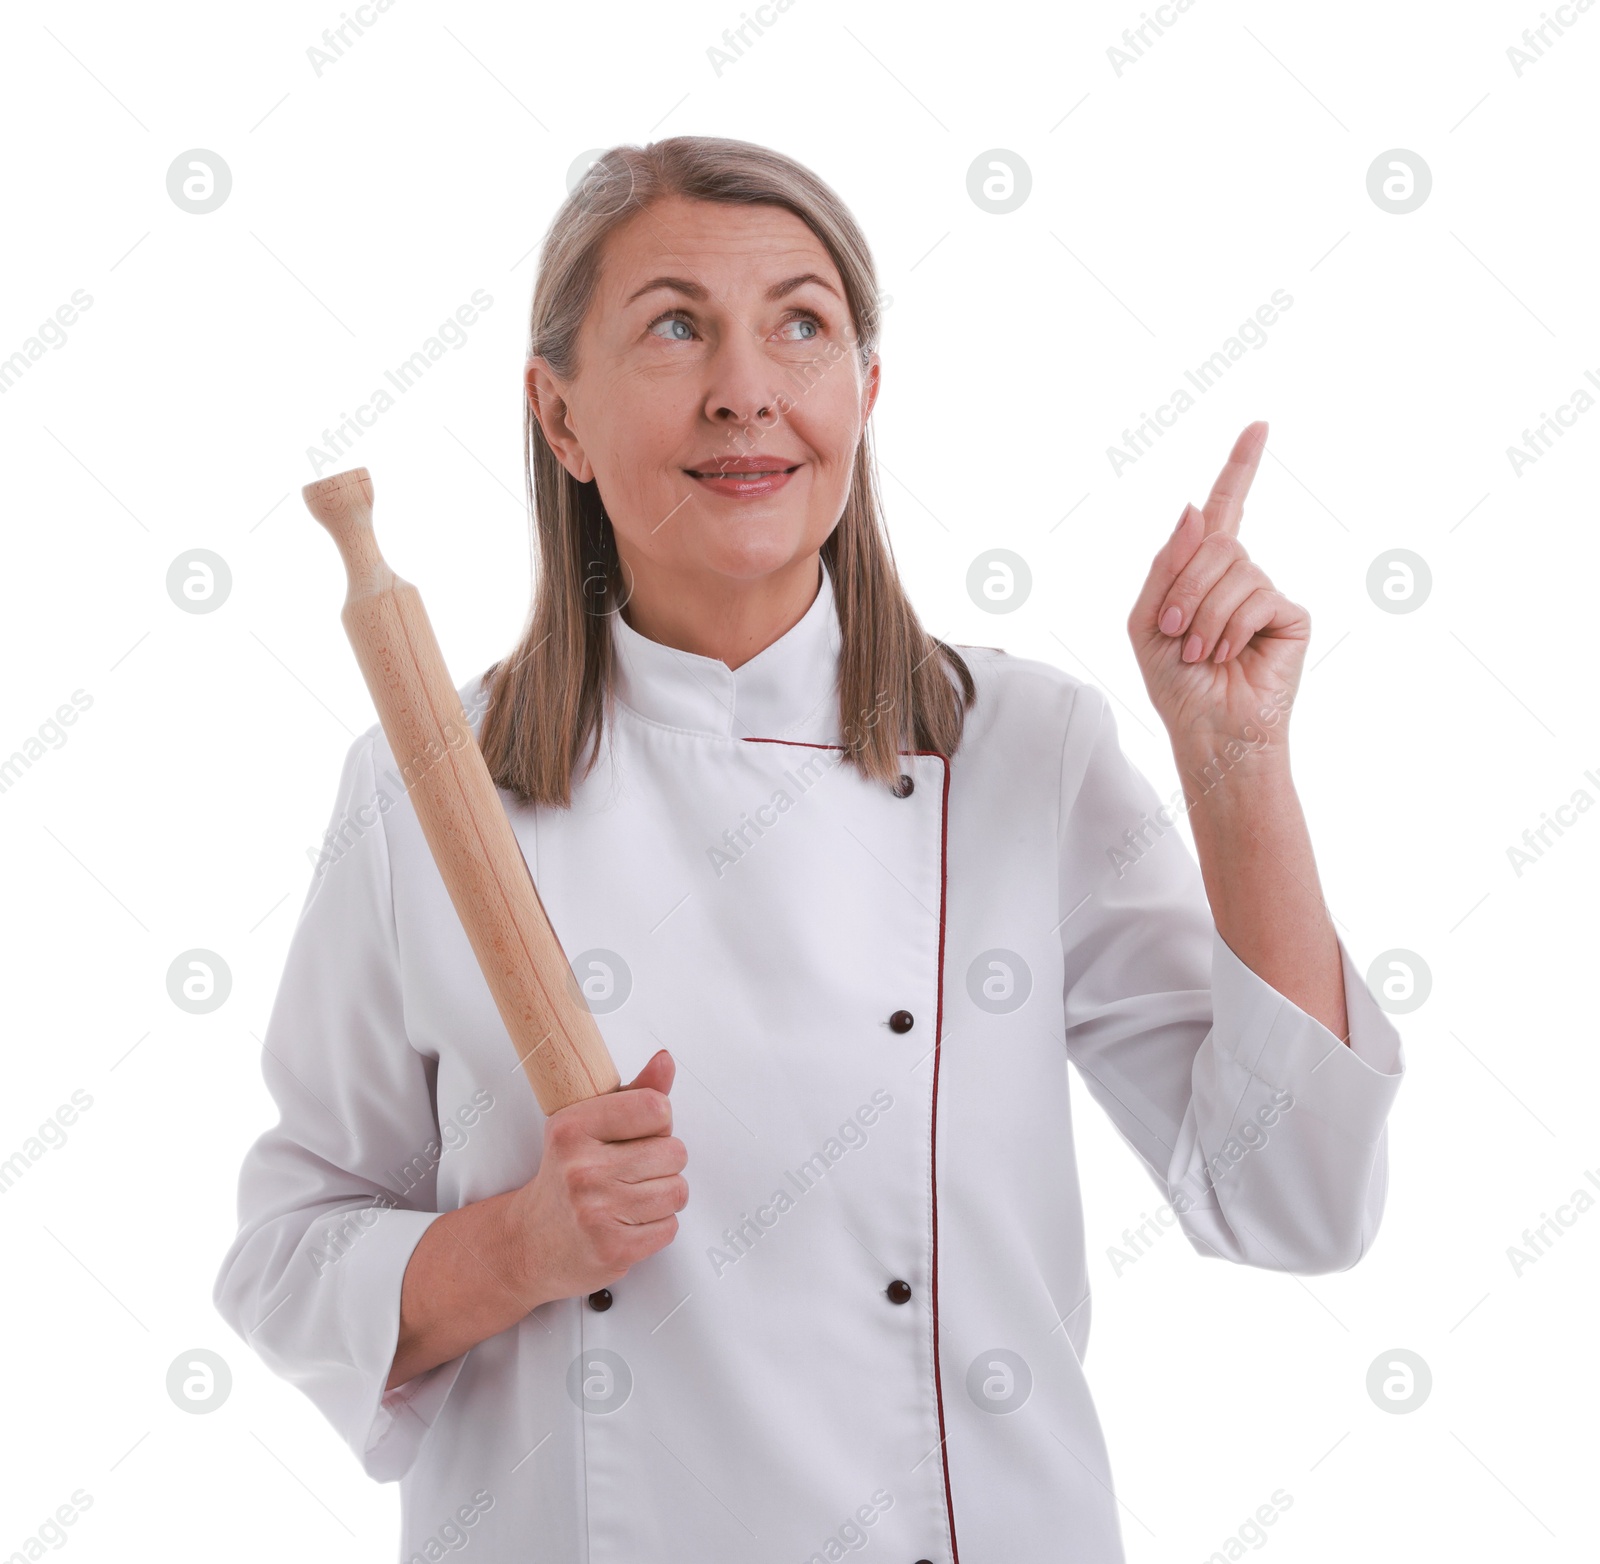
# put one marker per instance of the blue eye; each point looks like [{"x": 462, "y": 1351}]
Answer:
[
  {"x": 680, "y": 317},
  {"x": 676, "y": 317}
]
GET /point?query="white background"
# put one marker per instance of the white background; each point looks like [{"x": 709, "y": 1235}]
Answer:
[{"x": 1167, "y": 204}]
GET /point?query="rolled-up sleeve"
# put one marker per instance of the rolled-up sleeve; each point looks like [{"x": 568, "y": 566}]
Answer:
[
  {"x": 334, "y": 1197},
  {"x": 1266, "y": 1133}
]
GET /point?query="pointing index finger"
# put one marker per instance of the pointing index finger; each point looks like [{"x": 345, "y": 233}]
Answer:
[{"x": 1225, "y": 506}]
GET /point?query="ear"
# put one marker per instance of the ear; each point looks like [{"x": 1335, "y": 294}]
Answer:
[
  {"x": 870, "y": 391},
  {"x": 548, "y": 399}
]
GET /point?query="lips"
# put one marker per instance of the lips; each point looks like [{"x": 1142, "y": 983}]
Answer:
[
  {"x": 750, "y": 479},
  {"x": 742, "y": 469}
]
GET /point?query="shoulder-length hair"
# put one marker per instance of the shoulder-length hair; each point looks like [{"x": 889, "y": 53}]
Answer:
[{"x": 550, "y": 696}]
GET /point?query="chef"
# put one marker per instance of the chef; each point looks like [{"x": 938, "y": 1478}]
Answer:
[{"x": 844, "y": 900}]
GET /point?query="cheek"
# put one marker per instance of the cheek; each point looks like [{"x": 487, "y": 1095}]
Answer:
[
  {"x": 628, "y": 422},
  {"x": 831, "y": 429},
  {"x": 638, "y": 465}
]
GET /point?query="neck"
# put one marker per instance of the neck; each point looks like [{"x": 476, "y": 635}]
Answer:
[{"x": 716, "y": 616}]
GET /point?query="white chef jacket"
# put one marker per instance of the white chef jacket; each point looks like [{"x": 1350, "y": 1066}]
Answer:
[{"x": 870, "y": 1325}]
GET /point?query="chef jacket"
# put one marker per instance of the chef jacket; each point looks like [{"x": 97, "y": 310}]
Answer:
[{"x": 870, "y": 1326}]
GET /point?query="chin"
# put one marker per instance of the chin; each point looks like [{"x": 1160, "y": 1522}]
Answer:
[
  {"x": 751, "y": 546},
  {"x": 749, "y": 564}
]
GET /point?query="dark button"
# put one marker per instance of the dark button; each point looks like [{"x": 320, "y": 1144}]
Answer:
[
  {"x": 904, "y": 787},
  {"x": 600, "y": 1300},
  {"x": 898, "y": 1291},
  {"x": 901, "y": 1021}
]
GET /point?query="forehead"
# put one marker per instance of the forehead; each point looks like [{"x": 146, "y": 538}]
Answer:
[{"x": 726, "y": 247}]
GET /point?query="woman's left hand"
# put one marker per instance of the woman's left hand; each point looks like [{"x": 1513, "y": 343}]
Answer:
[{"x": 1218, "y": 645}]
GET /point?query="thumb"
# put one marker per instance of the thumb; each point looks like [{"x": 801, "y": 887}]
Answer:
[
  {"x": 657, "y": 1073},
  {"x": 1170, "y": 558}
]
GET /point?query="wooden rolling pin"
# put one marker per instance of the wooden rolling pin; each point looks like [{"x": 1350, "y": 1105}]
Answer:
[{"x": 463, "y": 820}]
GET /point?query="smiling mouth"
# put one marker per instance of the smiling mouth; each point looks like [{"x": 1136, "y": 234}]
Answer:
[{"x": 744, "y": 474}]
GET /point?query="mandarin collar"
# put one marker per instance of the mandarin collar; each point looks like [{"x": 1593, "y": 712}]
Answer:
[{"x": 786, "y": 687}]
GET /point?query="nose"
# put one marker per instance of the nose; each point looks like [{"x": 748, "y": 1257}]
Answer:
[{"x": 743, "y": 385}]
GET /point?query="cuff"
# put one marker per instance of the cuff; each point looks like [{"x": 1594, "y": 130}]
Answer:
[
  {"x": 1349, "y": 1086},
  {"x": 385, "y": 1428}
]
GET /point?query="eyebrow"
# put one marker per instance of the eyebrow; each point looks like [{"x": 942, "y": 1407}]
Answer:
[{"x": 693, "y": 289}]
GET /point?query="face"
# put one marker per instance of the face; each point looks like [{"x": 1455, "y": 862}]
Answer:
[{"x": 718, "y": 340}]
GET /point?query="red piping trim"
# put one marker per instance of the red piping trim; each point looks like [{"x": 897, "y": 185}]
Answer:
[{"x": 933, "y": 1172}]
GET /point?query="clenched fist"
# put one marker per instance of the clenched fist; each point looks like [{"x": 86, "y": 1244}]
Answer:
[{"x": 608, "y": 1189}]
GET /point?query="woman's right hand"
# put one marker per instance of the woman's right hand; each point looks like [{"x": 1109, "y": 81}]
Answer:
[{"x": 607, "y": 1191}]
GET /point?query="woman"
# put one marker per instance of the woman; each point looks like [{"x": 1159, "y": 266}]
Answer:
[{"x": 869, "y": 892}]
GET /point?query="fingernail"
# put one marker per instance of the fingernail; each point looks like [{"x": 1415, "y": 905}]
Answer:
[
  {"x": 1183, "y": 517},
  {"x": 1172, "y": 620},
  {"x": 1191, "y": 648},
  {"x": 1220, "y": 653}
]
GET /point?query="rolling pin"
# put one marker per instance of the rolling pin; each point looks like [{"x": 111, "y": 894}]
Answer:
[{"x": 463, "y": 820}]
